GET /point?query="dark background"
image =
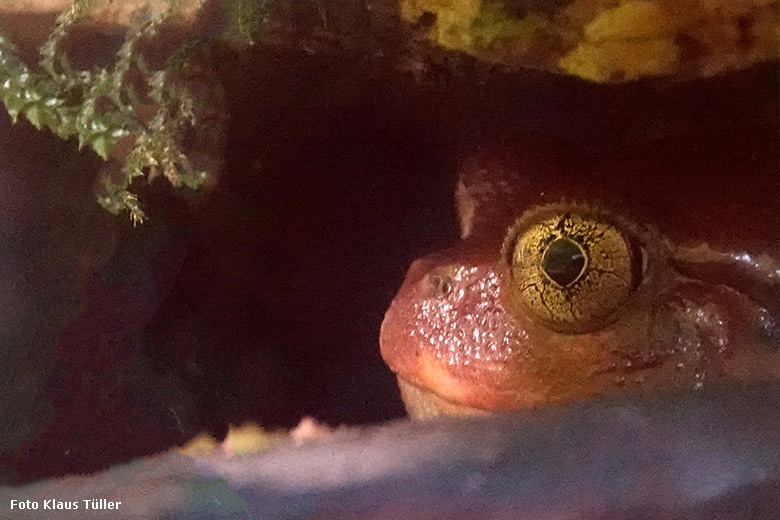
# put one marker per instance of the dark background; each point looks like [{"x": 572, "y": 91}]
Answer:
[{"x": 262, "y": 300}]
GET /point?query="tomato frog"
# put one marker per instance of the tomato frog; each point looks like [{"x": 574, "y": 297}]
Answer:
[{"x": 580, "y": 275}]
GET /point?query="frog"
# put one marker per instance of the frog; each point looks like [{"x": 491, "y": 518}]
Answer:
[{"x": 584, "y": 273}]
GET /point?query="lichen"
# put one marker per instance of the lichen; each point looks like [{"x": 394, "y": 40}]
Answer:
[
  {"x": 477, "y": 26},
  {"x": 496, "y": 31},
  {"x": 622, "y": 60},
  {"x": 106, "y": 106},
  {"x": 606, "y": 40},
  {"x": 637, "y": 38}
]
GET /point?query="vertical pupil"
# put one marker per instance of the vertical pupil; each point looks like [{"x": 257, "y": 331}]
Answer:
[{"x": 563, "y": 261}]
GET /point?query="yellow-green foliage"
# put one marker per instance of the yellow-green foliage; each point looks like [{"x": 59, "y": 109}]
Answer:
[
  {"x": 636, "y": 38},
  {"x": 496, "y": 30},
  {"x": 475, "y": 25},
  {"x": 622, "y": 59},
  {"x": 454, "y": 19},
  {"x": 609, "y": 40},
  {"x": 100, "y": 106}
]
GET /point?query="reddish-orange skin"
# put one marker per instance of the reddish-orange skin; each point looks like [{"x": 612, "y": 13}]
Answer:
[{"x": 706, "y": 309}]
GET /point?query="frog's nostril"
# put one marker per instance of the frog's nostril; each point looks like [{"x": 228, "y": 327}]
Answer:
[{"x": 439, "y": 285}]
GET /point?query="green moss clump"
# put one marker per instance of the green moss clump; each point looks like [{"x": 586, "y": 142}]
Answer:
[{"x": 104, "y": 106}]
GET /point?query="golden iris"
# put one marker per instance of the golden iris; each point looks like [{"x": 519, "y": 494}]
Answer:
[{"x": 571, "y": 269}]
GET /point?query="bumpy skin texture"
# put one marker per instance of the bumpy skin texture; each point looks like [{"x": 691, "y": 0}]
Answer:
[{"x": 705, "y": 228}]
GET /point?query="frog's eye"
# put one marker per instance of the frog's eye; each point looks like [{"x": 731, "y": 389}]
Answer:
[{"x": 572, "y": 269}]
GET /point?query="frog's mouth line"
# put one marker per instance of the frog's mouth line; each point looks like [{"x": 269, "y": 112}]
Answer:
[{"x": 422, "y": 403}]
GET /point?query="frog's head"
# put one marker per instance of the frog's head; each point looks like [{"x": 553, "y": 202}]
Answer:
[{"x": 569, "y": 284}]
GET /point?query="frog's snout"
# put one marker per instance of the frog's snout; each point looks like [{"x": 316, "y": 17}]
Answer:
[{"x": 448, "y": 330}]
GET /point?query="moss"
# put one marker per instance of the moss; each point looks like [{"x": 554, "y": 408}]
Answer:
[{"x": 104, "y": 106}]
